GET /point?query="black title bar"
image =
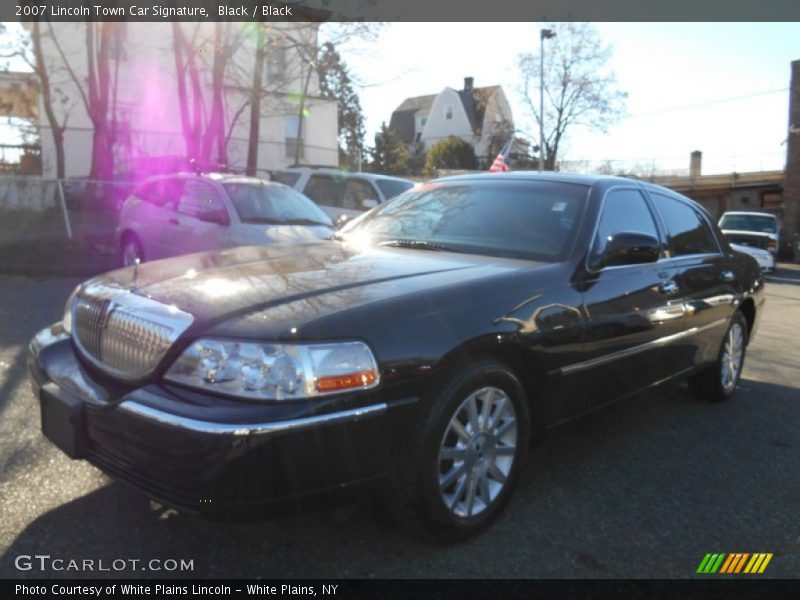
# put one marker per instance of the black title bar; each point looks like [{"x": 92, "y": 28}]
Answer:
[{"x": 400, "y": 10}]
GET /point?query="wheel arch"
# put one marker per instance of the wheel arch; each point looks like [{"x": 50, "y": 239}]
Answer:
[
  {"x": 520, "y": 359},
  {"x": 748, "y": 308}
]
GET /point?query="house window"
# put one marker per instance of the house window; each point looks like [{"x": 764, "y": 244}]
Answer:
[
  {"x": 276, "y": 61},
  {"x": 290, "y": 127},
  {"x": 448, "y": 111},
  {"x": 423, "y": 121}
]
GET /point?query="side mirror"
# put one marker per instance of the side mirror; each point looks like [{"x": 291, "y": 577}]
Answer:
[
  {"x": 369, "y": 203},
  {"x": 628, "y": 248}
]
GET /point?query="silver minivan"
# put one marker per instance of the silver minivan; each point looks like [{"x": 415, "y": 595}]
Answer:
[
  {"x": 341, "y": 194},
  {"x": 169, "y": 215}
]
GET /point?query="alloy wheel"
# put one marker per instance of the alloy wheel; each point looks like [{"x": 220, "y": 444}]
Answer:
[
  {"x": 732, "y": 354},
  {"x": 477, "y": 452}
]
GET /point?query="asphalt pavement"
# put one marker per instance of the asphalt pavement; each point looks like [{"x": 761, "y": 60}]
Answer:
[{"x": 644, "y": 488}]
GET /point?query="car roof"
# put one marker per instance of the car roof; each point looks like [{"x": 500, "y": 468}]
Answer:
[
  {"x": 530, "y": 176},
  {"x": 213, "y": 176},
  {"x": 344, "y": 173}
]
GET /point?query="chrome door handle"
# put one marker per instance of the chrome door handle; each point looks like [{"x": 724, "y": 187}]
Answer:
[
  {"x": 727, "y": 276},
  {"x": 668, "y": 287}
]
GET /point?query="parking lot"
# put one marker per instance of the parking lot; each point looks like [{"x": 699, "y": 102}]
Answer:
[{"x": 644, "y": 488}]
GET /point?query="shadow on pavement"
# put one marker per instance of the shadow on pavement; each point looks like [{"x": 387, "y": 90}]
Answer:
[{"x": 599, "y": 492}]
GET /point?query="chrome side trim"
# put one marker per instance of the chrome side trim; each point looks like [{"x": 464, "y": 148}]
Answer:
[
  {"x": 667, "y": 339},
  {"x": 244, "y": 429}
]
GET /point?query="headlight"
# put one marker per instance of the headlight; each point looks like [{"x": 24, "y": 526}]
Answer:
[
  {"x": 67, "y": 320},
  {"x": 275, "y": 371}
]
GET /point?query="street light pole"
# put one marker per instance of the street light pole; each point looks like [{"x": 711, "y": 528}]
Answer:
[{"x": 544, "y": 34}]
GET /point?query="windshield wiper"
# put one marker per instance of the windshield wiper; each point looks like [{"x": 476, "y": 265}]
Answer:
[
  {"x": 304, "y": 222},
  {"x": 416, "y": 244},
  {"x": 271, "y": 221}
]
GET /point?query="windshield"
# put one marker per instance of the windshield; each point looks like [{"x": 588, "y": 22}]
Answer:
[
  {"x": 393, "y": 187},
  {"x": 759, "y": 223},
  {"x": 517, "y": 219},
  {"x": 259, "y": 203}
]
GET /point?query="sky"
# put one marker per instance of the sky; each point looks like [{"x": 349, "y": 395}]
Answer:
[{"x": 721, "y": 88}]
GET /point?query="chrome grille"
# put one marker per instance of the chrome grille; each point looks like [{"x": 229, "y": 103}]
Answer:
[{"x": 123, "y": 333}]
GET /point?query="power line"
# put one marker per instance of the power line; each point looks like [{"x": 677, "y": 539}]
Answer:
[{"x": 709, "y": 103}]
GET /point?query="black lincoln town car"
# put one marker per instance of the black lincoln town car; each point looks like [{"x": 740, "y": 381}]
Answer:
[{"x": 423, "y": 348}]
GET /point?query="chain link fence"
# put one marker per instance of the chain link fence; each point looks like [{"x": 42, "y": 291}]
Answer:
[{"x": 47, "y": 223}]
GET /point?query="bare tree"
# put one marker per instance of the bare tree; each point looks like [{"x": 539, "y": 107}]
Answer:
[
  {"x": 29, "y": 49},
  {"x": 97, "y": 90},
  {"x": 200, "y": 60},
  {"x": 578, "y": 87}
]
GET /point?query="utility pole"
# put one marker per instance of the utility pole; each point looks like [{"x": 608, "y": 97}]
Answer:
[{"x": 544, "y": 34}]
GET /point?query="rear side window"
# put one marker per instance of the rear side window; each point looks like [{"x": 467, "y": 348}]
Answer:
[
  {"x": 324, "y": 189},
  {"x": 688, "y": 232},
  {"x": 623, "y": 211}
]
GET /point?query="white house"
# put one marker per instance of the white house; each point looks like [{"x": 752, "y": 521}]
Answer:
[
  {"x": 478, "y": 115},
  {"x": 146, "y": 109}
]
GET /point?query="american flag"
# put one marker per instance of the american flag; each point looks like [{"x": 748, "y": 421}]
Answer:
[{"x": 500, "y": 165}]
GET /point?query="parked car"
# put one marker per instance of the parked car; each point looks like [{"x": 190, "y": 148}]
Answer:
[
  {"x": 421, "y": 349},
  {"x": 169, "y": 215},
  {"x": 341, "y": 194},
  {"x": 754, "y": 229},
  {"x": 764, "y": 258}
]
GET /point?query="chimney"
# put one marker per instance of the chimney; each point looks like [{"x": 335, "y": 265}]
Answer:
[
  {"x": 468, "y": 83},
  {"x": 695, "y": 163}
]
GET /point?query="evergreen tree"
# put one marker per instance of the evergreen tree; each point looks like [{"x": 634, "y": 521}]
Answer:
[
  {"x": 335, "y": 82},
  {"x": 450, "y": 153},
  {"x": 389, "y": 153}
]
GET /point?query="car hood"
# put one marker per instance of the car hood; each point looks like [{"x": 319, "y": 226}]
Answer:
[
  {"x": 245, "y": 234},
  {"x": 328, "y": 276},
  {"x": 756, "y": 234},
  {"x": 750, "y": 250}
]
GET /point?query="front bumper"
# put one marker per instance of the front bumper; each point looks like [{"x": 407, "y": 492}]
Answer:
[{"x": 200, "y": 453}]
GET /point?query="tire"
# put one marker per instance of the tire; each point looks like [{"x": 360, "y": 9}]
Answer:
[
  {"x": 130, "y": 249},
  {"x": 718, "y": 382},
  {"x": 452, "y": 480}
]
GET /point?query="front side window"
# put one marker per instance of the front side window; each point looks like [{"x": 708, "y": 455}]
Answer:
[
  {"x": 393, "y": 187},
  {"x": 623, "y": 211},
  {"x": 688, "y": 231},
  {"x": 355, "y": 192},
  {"x": 530, "y": 220},
  {"x": 273, "y": 204},
  {"x": 200, "y": 200}
]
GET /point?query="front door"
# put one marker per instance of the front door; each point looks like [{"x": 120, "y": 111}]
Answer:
[{"x": 632, "y": 311}]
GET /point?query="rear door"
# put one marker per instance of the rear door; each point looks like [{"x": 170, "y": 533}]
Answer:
[
  {"x": 632, "y": 311},
  {"x": 704, "y": 273}
]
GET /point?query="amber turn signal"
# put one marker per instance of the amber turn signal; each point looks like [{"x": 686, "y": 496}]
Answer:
[{"x": 346, "y": 382}]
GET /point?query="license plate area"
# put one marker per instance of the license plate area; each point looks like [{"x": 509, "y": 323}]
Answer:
[{"x": 63, "y": 421}]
